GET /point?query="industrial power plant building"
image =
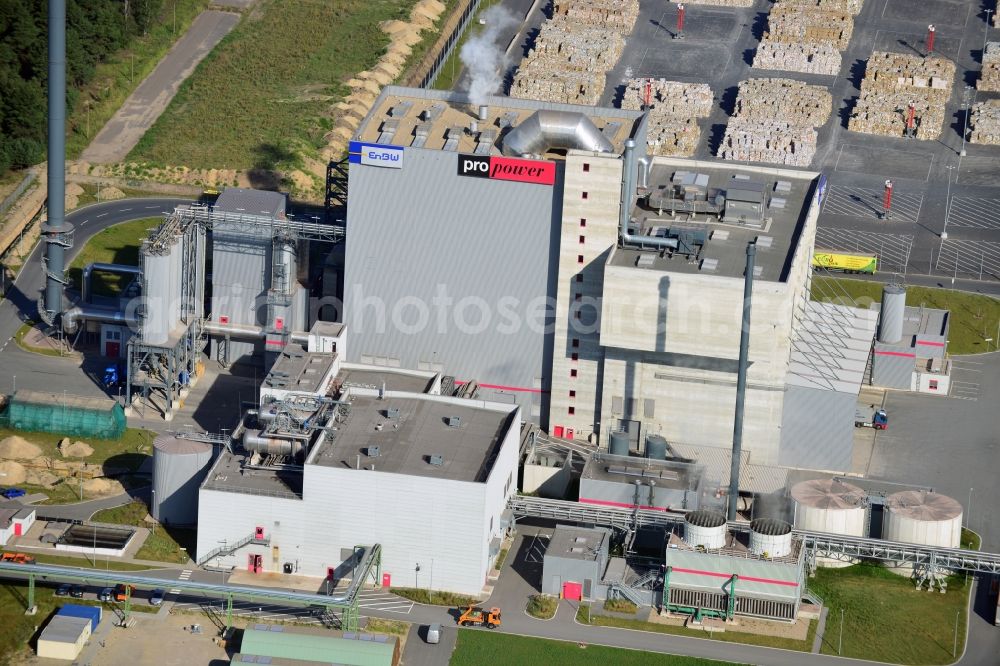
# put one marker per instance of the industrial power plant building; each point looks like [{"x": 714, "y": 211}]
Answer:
[{"x": 536, "y": 249}]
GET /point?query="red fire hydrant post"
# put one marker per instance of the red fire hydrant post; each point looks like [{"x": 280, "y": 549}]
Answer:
[
  {"x": 680, "y": 21},
  {"x": 930, "y": 38},
  {"x": 887, "y": 201}
]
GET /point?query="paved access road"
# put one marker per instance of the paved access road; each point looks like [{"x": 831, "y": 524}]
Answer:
[{"x": 151, "y": 98}]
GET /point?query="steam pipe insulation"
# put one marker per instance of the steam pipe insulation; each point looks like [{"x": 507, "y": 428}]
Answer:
[
  {"x": 741, "y": 383},
  {"x": 254, "y": 440},
  {"x": 645, "y": 166},
  {"x": 70, "y": 318},
  {"x": 247, "y": 331},
  {"x": 628, "y": 190},
  {"x": 547, "y": 129}
]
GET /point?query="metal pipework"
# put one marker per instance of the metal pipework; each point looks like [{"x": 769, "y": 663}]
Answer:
[
  {"x": 544, "y": 130},
  {"x": 247, "y": 331},
  {"x": 741, "y": 383},
  {"x": 253, "y": 440},
  {"x": 71, "y": 317},
  {"x": 56, "y": 229},
  {"x": 628, "y": 190}
]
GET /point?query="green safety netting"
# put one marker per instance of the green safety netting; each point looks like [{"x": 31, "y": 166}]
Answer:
[{"x": 70, "y": 415}]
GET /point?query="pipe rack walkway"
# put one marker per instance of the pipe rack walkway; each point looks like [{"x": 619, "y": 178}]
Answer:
[{"x": 820, "y": 543}]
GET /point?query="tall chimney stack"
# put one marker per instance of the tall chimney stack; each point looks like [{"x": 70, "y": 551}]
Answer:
[{"x": 741, "y": 383}]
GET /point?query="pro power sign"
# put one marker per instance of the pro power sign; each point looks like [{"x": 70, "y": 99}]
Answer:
[
  {"x": 374, "y": 154},
  {"x": 507, "y": 168}
]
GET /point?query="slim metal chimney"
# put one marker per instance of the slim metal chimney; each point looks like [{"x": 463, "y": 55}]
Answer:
[
  {"x": 741, "y": 383},
  {"x": 56, "y": 230}
]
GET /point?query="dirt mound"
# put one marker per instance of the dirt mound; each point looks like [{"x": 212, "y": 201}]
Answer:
[
  {"x": 40, "y": 477},
  {"x": 111, "y": 194},
  {"x": 18, "y": 448},
  {"x": 102, "y": 487},
  {"x": 13, "y": 472},
  {"x": 74, "y": 189},
  {"x": 75, "y": 450}
]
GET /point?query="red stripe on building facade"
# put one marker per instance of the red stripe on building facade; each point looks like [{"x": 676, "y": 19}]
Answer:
[
  {"x": 930, "y": 344},
  {"x": 892, "y": 353},
  {"x": 719, "y": 574},
  {"x": 500, "y": 387}
]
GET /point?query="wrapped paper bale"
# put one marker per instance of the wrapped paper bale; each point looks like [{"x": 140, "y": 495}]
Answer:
[
  {"x": 563, "y": 86},
  {"x": 674, "y": 106},
  {"x": 617, "y": 15},
  {"x": 990, "y": 78},
  {"x": 773, "y": 141},
  {"x": 581, "y": 49},
  {"x": 792, "y": 101},
  {"x": 799, "y": 23},
  {"x": 852, "y": 7},
  {"x": 985, "y": 123},
  {"x": 819, "y": 58},
  {"x": 886, "y": 114},
  {"x": 718, "y": 3}
]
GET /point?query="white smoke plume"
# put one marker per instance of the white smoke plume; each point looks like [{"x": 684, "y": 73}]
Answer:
[{"x": 483, "y": 56}]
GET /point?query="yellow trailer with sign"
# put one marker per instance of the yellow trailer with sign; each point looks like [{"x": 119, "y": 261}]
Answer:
[{"x": 848, "y": 262}]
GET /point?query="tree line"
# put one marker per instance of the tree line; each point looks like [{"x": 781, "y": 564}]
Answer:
[{"x": 94, "y": 30}]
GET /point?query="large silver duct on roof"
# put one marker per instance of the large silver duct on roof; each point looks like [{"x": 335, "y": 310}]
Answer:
[
  {"x": 71, "y": 317},
  {"x": 629, "y": 162},
  {"x": 544, "y": 130}
]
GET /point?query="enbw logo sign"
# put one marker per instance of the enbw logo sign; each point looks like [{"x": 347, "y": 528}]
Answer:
[{"x": 374, "y": 154}]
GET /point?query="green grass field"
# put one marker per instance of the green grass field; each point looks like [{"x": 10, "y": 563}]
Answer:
[
  {"x": 886, "y": 619},
  {"x": 476, "y": 648},
  {"x": 260, "y": 98},
  {"x": 162, "y": 545},
  {"x": 542, "y": 606},
  {"x": 116, "y": 79},
  {"x": 115, "y": 245},
  {"x": 728, "y": 636},
  {"x": 422, "y": 596},
  {"x": 974, "y": 317}
]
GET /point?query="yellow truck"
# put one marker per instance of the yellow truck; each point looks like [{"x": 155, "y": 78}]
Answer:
[{"x": 848, "y": 262}]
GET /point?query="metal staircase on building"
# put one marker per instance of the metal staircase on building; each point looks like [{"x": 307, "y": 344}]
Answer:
[
  {"x": 230, "y": 548},
  {"x": 624, "y": 591}
]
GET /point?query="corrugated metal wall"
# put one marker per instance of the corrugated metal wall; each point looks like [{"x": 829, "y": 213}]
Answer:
[
  {"x": 817, "y": 429},
  {"x": 423, "y": 234},
  {"x": 893, "y": 371},
  {"x": 241, "y": 270}
]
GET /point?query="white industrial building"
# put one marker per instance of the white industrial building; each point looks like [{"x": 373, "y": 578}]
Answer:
[{"x": 425, "y": 476}]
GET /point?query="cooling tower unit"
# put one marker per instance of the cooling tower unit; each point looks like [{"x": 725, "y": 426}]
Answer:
[
  {"x": 770, "y": 537},
  {"x": 179, "y": 467},
  {"x": 890, "y": 326},
  {"x": 619, "y": 445},
  {"x": 827, "y": 505},
  {"x": 930, "y": 519},
  {"x": 705, "y": 529},
  {"x": 656, "y": 447}
]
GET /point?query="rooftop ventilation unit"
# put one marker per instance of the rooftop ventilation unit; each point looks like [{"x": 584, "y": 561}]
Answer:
[
  {"x": 392, "y": 413},
  {"x": 452, "y": 136},
  {"x": 372, "y": 452},
  {"x": 547, "y": 129},
  {"x": 400, "y": 110},
  {"x": 421, "y": 133},
  {"x": 432, "y": 112},
  {"x": 389, "y": 128},
  {"x": 435, "y": 460},
  {"x": 764, "y": 242},
  {"x": 709, "y": 265},
  {"x": 645, "y": 261},
  {"x": 452, "y": 421},
  {"x": 720, "y": 235},
  {"x": 782, "y": 187},
  {"x": 508, "y": 119},
  {"x": 758, "y": 271},
  {"x": 486, "y": 140}
]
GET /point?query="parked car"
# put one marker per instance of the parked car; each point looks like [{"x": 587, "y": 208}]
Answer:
[
  {"x": 13, "y": 493},
  {"x": 156, "y": 598},
  {"x": 434, "y": 633},
  {"x": 76, "y": 591},
  {"x": 106, "y": 594},
  {"x": 63, "y": 590}
]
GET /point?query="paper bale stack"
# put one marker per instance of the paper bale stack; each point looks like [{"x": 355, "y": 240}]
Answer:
[
  {"x": 674, "y": 107},
  {"x": 985, "y": 123},
  {"x": 575, "y": 50},
  {"x": 718, "y": 3},
  {"x": 990, "y": 79},
  {"x": 853, "y": 7},
  {"x": 794, "y": 24},
  {"x": 821, "y": 58},
  {"x": 776, "y": 121},
  {"x": 892, "y": 82}
]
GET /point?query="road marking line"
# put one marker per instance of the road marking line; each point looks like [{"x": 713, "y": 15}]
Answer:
[{"x": 102, "y": 215}]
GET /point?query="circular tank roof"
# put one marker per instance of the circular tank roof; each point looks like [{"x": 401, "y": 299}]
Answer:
[
  {"x": 828, "y": 494},
  {"x": 179, "y": 447},
  {"x": 921, "y": 505},
  {"x": 705, "y": 518},
  {"x": 770, "y": 526}
]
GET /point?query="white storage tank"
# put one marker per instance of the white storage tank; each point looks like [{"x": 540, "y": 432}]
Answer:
[
  {"x": 705, "y": 528},
  {"x": 179, "y": 467},
  {"x": 770, "y": 537},
  {"x": 917, "y": 516},
  {"x": 828, "y": 505}
]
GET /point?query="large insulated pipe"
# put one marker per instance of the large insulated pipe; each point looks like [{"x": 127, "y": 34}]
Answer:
[
  {"x": 548, "y": 129},
  {"x": 628, "y": 189},
  {"x": 56, "y": 229},
  {"x": 71, "y": 317},
  {"x": 248, "y": 331},
  {"x": 253, "y": 440},
  {"x": 741, "y": 383}
]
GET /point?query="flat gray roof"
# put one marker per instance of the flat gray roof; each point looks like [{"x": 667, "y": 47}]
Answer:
[
  {"x": 299, "y": 370},
  {"x": 409, "y": 431},
  {"x": 230, "y": 474},
  {"x": 627, "y": 469},
  {"x": 925, "y": 321},
  {"x": 577, "y": 543},
  {"x": 253, "y": 202},
  {"x": 7, "y": 517},
  {"x": 788, "y": 199},
  {"x": 372, "y": 378},
  {"x": 404, "y": 109},
  {"x": 64, "y": 629}
]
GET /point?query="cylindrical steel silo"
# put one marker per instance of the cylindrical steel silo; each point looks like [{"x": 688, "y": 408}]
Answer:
[
  {"x": 656, "y": 447},
  {"x": 890, "y": 327},
  {"x": 179, "y": 467},
  {"x": 619, "y": 445},
  {"x": 827, "y": 505}
]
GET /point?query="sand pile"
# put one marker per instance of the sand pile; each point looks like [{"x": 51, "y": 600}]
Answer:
[
  {"x": 13, "y": 471},
  {"x": 18, "y": 448},
  {"x": 75, "y": 450},
  {"x": 93, "y": 487},
  {"x": 111, "y": 194},
  {"x": 41, "y": 477}
]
